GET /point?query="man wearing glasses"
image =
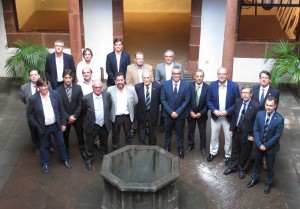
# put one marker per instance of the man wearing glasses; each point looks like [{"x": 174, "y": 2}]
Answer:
[{"x": 56, "y": 63}]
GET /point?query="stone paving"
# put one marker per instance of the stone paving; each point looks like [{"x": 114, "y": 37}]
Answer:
[{"x": 23, "y": 185}]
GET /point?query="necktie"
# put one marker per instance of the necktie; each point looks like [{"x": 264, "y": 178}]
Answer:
[
  {"x": 100, "y": 109},
  {"x": 266, "y": 127},
  {"x": 175, "y": 89},
  {"x": 68, "y": 91},
  {"x": 36, "y": 88},
  {"x": 147, "y": 98},
  {"x": 241, "y": 119},
  {"x": 197, "y": 95},
  {"x": 262, "y": 97}
]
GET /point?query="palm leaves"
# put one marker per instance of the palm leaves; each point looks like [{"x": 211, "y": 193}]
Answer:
[
  {"x": 26, "y": 56},
  {"x": 285, "y": 62}
]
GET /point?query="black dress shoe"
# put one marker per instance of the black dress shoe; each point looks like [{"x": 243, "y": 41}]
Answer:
[
  {"x": 210, "y": 157},
  {"x": 45, "y": 169},
  {"x": 67, "y": 164},
  {"x": 190, "y": 148},
  {"x": 267, "y": 189},
  {"x": 252, "y": 183},
  {"x": 89, "y": 166},
  {"x": 229, "y": 171},
  {"x": 181, "y": 154},
  {"x": 203, "y": 151},
  {"x": 242, "y": 174}
]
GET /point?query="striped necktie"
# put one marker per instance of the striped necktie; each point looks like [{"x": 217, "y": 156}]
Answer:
[
  {"x": 266, "y": 127},
  {"x": 147, "y": 98}
]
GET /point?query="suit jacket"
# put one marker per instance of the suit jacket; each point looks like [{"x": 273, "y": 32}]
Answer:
[
  {"x": 271, "y": 92},
  {"x": 154, "y": 105},
  {"x": 202, "y": 106},
  {"x": 132, "y": 75},
  {"x": 25, "y": 92},
  {"x": 249, "y": 118},
  {"x": 112, "y": 68},
  {"x": 274, "y": 131},
  {"x": 132, "y": 100},
  {"x": 160, "y": 73},
  {"x": 73, "y": 107},
  {"x": 35, "y": 111},
  {"x": 51, "y": 71},
  {"x": 232, "y": 94},
  {"x": 177, "y": 104},
  {"x": 88, "y": 111}
]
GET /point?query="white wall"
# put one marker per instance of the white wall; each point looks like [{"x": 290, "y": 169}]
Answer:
[
  {"x": 98, "y": 28},
  {"x": 212, "y": 36},
  {"x": 3, "y": 53}
]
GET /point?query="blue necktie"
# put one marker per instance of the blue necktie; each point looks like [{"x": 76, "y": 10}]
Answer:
[
  {"x": 262, "y": 97},
  {"x": 175, "y": 89},
  {"x": 266, "y": 127}
]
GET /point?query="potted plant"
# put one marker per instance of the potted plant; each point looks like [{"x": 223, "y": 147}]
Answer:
[
  {"x": 284, "y": 58},
  {"x": 26, "y": 55}
]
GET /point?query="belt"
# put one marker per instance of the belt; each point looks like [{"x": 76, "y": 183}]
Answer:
[{"x": 50, "y": 125}]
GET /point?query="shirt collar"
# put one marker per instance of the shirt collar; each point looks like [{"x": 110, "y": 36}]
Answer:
[
  {"x": 150, "y": 85},
  {"x": 225, "y": 84},
  {"x": 68, "y": 86}
]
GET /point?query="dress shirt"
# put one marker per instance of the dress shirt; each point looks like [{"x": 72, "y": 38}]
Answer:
[
  {"x": 59, "y": 67},
  {"x": 121, "y": 108},
  {"x": 32, "y": 87},
  {"x": 86, "y": 87},
  {"x": 200, "y": 90},
  {"x": 145, "y": 90},
  {"x": 222, "y": 96},
  {"x": 242, "y": 107},
  {"x": 48, "y": 110},
  {"x": 271, "y": 115},
  {"x": 118, "y": 58},
  {"x": 99, "y": 110},
  {"x": 140, "y": 72},
  {"x": 265, "y": 91},
  {"x": 178, "y": 84},
  {"x": 96, "y": 72},
  {"x": 169, "y": 69}
]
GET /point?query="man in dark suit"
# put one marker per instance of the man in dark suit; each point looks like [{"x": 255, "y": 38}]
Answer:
[
  {"x": 175, "y": 97},
  {"x": 116, "y": 61},
  {"x": 147, "y": 109},
  {"x": 241, "y": 129},
  {"x": 46, "y": 113},
  {"x": 268, "y": 128},
  {"x": 221, "y": 97},
  {"x": 56, "y": 63},
  {"x": 71, "y": 95},
  {"x": 197, "y": 111},
  {"x": 264, "y": 89},
  {"x": 96, "y": 109},
  {"x": 27, "y": 90}
]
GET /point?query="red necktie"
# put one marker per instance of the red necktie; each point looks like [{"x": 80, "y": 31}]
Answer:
[{"x": 36, "y": 89}]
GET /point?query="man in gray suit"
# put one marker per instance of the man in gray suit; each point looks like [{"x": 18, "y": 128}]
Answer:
[
  {"x": 124, "y": 99},
  {"x": 164, "y": 72},
  {"x": 27, "y": 90},
  {"x": 96, "y": 108}
]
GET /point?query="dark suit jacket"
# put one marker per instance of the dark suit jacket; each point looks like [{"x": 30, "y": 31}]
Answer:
[
  {"x": 274, "y": 131},
  {"x": 88, "y": 111},
  {"x": 233, "y": 93},
  {"x": 249, "y": 118},
  {"x": 271, "y": 92},
  {"x": 112, "y": 68},
  {"x": 73, "y": 107},
  {"x": 35, "y": 111},
  {"x": 154, "y": 105},
  {"x": 177, "y": 104},
  {"x": 51, "y": 71},
  {"x": 202, "y": 106}
]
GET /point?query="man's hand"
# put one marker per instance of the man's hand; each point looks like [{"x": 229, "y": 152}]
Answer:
[
  {"x": 63, "y": 128},
  {"x": 72, "y": 119},
  {"x": 174, "y": 115},
  {"x": 262, "y": 148}
]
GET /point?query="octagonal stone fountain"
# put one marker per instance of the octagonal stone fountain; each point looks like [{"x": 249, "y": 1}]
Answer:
[{"x": 140, "y": 177}]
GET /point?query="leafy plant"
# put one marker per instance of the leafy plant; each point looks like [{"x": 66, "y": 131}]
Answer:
[
  {"x": 26, "y": 55},
  {"x": 285, "y": 62}
]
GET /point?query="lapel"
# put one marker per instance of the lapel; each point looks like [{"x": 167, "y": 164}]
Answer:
[
  {"x": 114, "y": 60},
  {"x": 91, "y": 102},
  {"x": 272, "y": 121},
  {"x": 143, "y": 93},
  {"x": 202, "y": 95}
]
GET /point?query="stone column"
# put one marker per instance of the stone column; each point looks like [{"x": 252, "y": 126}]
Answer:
[
  {"x": 230, "y": 35},
  {"x": 75, "y": 30},
  {"x": 195, "y": 28},
  {"x": 118, "y": 19}
]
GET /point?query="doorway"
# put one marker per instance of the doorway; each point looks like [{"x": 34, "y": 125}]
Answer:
[{"x": 154, "y": 26}]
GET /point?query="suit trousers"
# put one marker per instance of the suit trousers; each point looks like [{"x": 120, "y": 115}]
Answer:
[
  {"x": 90, "y": 142},
  {"x": 240, "y": 153},
  {"x": 215, "y": 131},
  {"x": 34, "y": 136},
  {"x": 179, "y": 126},
  {"x": 202, "y": 132},
  {"x": 55, "y": 130},
  {"x": 78, "y": 126},
  {"x": 270, "y": 160},
  {"x": 152, "y": 130},
  {"x": 125, "y": 122}
]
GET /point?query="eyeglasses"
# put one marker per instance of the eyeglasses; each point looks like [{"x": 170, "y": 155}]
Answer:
[
  {"x": 59, "y": 45},
  {"x": 176, "y": 73}
]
